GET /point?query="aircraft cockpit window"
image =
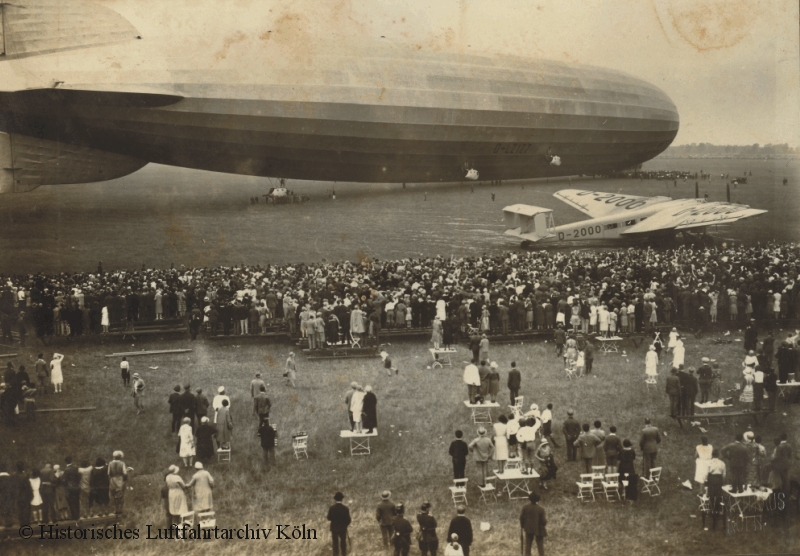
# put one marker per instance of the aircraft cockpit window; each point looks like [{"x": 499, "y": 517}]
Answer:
[
  {"x": 630, "y": 222},
  {"x": 611, "y": 226}
]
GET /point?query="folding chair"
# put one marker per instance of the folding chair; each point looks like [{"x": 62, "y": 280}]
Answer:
[
  {"x": 206, "y": 520},
  {"x": 300, "y": 444},
  {"x": 651, "y": 485},
  {"x": 355, "y": 342},
  {"x": 651, "y": 382},
  {"x": 754, "y": 518},
  {"x": 513, "y": 463},
  {"x": 488, "y": 490},
  {"x": 586, "y": 487},
  {"x": 611, "y": 486},
  {"x": 187, "y": 519},
  {"x": 516, "y": 409},
  {"x": 224, "y": 453},
  {"x": 704, "y": 508},
  {"x": 459, "y": 491},
  {"x": 571, "y": 372},
  {"x": 598, "y": 475}
]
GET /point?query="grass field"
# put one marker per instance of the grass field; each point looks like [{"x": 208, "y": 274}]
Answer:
[{"x": 418, "y": 410}]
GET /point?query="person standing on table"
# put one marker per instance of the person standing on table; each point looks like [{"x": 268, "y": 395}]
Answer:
[
  {"x": 428, "y": 541},
  {"x": 370, "y": 410},
  {"x": 402, "y": 532},
  {"x": 738, "y": 457},
  {"x": 705, "y": 377},
  {"x": 385, "y": 514},
  {"x": 547, "y": 425},
  {"x": 348, "y": 400},
  {"x": 56, "y": 374},
  {"x": 472, "y": 379},
  {"x": 533, "y": 522},
  {"x": 205, "y": 440},
  {"x": 648, "y": 443},
  {"x": 224, "y": 425},
  {"x": 572, "y": 429},
  {"x": 514, "y": 383},
  {"x": 176, "y": 495},
  {"x": 461, "y": 526},
  {"x": 483, "y": 373},
  {"x": 291, "y": 371},
  {"x": 483, "y": 450},
  {"x": 494, "y": 382},
  {"x": 339, "y": 516},
  {"x": 458, "y": 452},
  {"x": 357, "y": 409},
  {"x": 475, "y": 347},
  {"x": 786, "y": 357}
]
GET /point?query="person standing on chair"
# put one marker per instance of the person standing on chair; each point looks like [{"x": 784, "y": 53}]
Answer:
[
  {"x": 533, "y": 521},
  {"x": 339, "y": 516},
  {"x": 458, "y": 452},
  {"x": 514, "y": 382},
  {"x": 386, "y": 513},
  {"x": 649, "y": 445},
  {"x": 461, "y": 526},
  {"x": 705, "y": 376},
  {"x": 483, "y": 449},
  {"x": 428, "y": 541}
]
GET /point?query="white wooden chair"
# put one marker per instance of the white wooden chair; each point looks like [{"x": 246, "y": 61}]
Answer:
[
  {"x": 300, "y": 444},
  {"x": 651, "y": 383},
  {"x": 187, "y": 519},
  {"x": 650, "y": 485},
  {"x": 598, "y": 476},
  {"x": 488, "y": 490},
  {"x": 206, "y": 520},
  {"x": 355, "y": 341},
  {"x": 459, "y": 491},
  {"x": 586, "y": 487},
  {"x": 611, "y": 487},
  {"x": 572, "y": 372},
  {"x": 516, "y": 409},
  {"x": 224, "y": 453}
]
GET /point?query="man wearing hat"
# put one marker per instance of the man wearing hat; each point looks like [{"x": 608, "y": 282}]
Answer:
[
  {"x": 262, "y": 405},
  {"x": 428, "y": 541},
  {"x": 533, "y": 522},
  {"x": 705, "y": 377},
  {"x": 572, "y": 429},
  {"x": 461, "y": 526},
  {"x": 483, "y": 448},
  {"x": 402, "y": 532},
  {"x": 339, "y": 516},
  {"x": 386, "y": 513}
]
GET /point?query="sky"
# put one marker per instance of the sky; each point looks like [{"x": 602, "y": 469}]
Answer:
[{"x": 732, "y": 67}]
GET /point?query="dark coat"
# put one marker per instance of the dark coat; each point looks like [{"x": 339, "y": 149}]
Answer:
[
  {"x": 370, "y": 411},
  {"x": 427, "y": 528},
  {"x": 461, "y": 526},
  {"x": 533, "y": 520},
  {"x": 205, "y": 441},
  {"x": 459, "y": 450},
  {"x": 514, "y": 381},
  {"x": 339, "y": 516}
]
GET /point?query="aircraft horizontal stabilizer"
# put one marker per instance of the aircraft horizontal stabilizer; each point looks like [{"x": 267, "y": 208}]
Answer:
[
  {"x": 528, "y": 222},
  {"x": 33, "y": 27},
  {"x": 27, "y": 162}
]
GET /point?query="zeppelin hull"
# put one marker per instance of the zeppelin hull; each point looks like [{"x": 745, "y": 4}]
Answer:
[{"x": 429, "y": 120}]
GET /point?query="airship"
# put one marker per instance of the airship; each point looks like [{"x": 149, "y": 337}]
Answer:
[{"x": 85, "y": 96}]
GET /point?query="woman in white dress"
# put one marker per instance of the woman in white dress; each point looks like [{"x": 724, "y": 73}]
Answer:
[
  {"x": 703, "y": 452},
  {"x": 357, "y": 407},
  {"x": 176, "y": 495},
  {"x": 186, "y": 448},
  {"x": 104, "y": 319},
  {"x": 747, "y": 390},
  {"x": 651, "y": 363},
  {"x": 673, "y": 339},
  {"x": 631, "y": 318},
  {"x": 712, "y": 311},
  {"x": 602, "y": 318},
  {"x": 436, "y": 332},
  {"x": 501, "y": 443},
  {"x": 593, "y": 317},
  {"x": 56, "y": 375}
]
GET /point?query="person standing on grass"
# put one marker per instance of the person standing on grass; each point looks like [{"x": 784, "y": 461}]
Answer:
[
  {"x": 648, "y": 443},
  {"x": 291, "y": 370},
  {"x": 137, "y": 391},
  {"x": 339, "y": 516},
  {"x": 201, "y": 404},
  {"x": 42, "y": 373},
  {"x": 514, "y": 382},
  {"x": 188, "y": 404},
  {"x": 402, "y": 532},
  {"x": 428, "y": 541},
  {"x": 588, "y": 445},
  {"x": 186, "y": 446},
  {"x": 533, "y": 522},
  {"x": 547, "y": 425},
  {"x": 483, "y": 449},
  {"x": 588, "y": 358},
  {"x": 458, "y": 452},
  {"x": 255, "y": 385},
  {"x": 175, "y": 409},
  {"x": 56, "y": 374},
  {"x": 267, "y": 435},
  {"x": 572, "y": 429},
  {"x": 125, "y": 371},
  {"x": 461, "y": 526},
  {"x": 386, "y": 513},
  {"x": 85, "y": 471},
  {"x": 117, "y": 475},
  {"x": 262, "y": 405}
]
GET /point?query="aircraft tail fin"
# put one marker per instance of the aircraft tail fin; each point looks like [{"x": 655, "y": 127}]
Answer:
[
  {"x": 28, "y": 162},
  {"x": 34, "y": 27}
]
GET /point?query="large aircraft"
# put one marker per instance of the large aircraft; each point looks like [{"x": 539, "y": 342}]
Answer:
[
  {"x": 619, "y": 218},
  {"x": 85, "y": 96}
]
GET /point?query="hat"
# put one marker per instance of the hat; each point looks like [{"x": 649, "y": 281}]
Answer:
[
  {"x": 221, "y": 389},
  {"x": 174, "y": 468},
  {"x": 354, "y": 384},
  {"x": 399, "y": 507},
  {"x": 198, "y": 465},
  {"x": 534, "y": 407},
  {"x": 118, "y": 454},
  {"x": 386, "y": 494},
  {"x": 291, "y": 354},
  {"x": 384, "y": 355},
  {"x": 570, "y": 412},
  {"x": 425, "y": 506},
  {"x": 204, "y": 420},
  {"x": 481, "y": 430},
  {"x": 186, "y": 420},
  {"x": 704, "y": 360},
  {"x": 135, "y": 375},
  {"x": 338, "y": 496}
]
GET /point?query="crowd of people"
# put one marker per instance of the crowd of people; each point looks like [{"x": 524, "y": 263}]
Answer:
[{"x": 629, "y": 289}]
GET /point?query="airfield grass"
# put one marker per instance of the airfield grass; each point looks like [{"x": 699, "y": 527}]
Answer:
[{"x": 418, "y": 410}]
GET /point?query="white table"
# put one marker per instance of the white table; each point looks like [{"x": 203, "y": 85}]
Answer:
[
  {"x": 609, "y": 344},
  {"x": 706, "y": 411},
  {"x": 516, "y": 483},
  {"x": 481, "y": 412},
  {"x": 359, "y": 441},
  {"x": 441, "y": 357},
  {"x": 749, "y": 501},
  {"x": 783, "y": 389}
]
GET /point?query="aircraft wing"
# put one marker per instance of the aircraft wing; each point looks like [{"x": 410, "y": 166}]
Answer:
[
  {"x": 697, "y": 216},
  {"x": 598, "y": 203}
]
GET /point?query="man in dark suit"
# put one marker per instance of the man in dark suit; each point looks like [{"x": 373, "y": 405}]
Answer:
[
  {"x": 706, "y": 377},
  {"x": 175, "y": 408},
  {"x": 475, "y": 347},
  {"x": 459, "y": 451},
  {"x": 461, "y": 526},
  {"x": 783, "y": 461},
  {"x": 514, "y": 382},
  {"x": 402, "y": 532},
  {"x": 737, "y": 455},
  {"x": 188, "y": 403},
  {"x": 649, "y": 445},
  {"x": 690, "y": 392},
  {"x": 385, "y": 513},
  {"x": 339, "y": 516},
  {"x": 8, "y": 497},
  {"x": 24, "y": 495},
  {"x": 572, "y": 428},
  {"x": 47, "y": 492},
  {"x": 786, "y": 362},
  {"x": 674, "y": 392},
  {"x": 533, "y": 521},
  {"x": 72, "y": 484}
]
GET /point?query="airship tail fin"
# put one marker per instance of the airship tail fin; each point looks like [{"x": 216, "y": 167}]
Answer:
[
  {"x": 33, "y": 27},
  {"x": 28, "y": 162}
]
